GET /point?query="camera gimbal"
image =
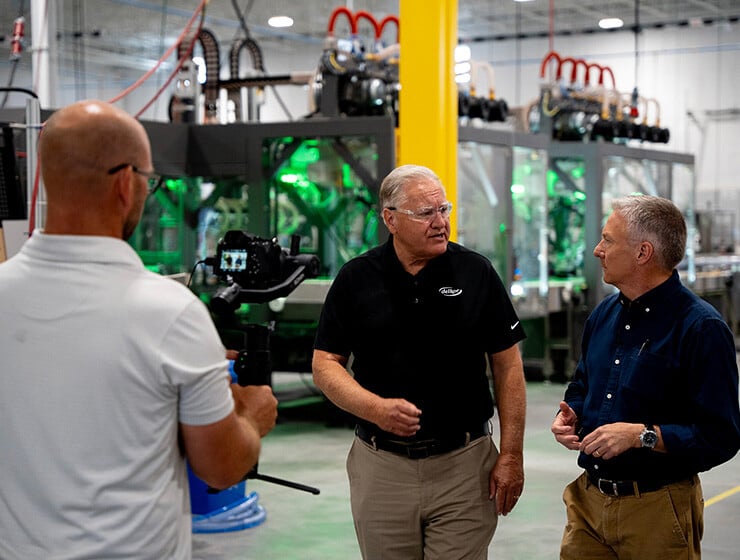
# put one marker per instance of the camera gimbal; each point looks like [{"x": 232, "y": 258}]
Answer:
[{"x": 257, "y": 271}]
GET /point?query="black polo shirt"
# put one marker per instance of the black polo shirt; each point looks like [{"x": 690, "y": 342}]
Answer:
[{"x": 423, "y": 338}]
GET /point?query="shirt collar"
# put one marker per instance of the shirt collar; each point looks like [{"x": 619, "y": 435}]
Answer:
[{"x": 659, "y": 296}]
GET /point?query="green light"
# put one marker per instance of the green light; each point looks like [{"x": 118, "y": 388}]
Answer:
[
  {"x": 552, "y": 181},
  {"x": 578, "y": 195},
  {"x": 578, "y": 172},
  {"x": 502, "y": 228},
  {"x": 347, "y": 176},
  {"x": 307, "y": 154},
  {"x": 175, "y": 185},
  {"x": 289, "y": 178}
]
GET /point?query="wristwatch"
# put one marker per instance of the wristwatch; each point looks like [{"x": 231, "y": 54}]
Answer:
[{"x": 649, "y": 437}]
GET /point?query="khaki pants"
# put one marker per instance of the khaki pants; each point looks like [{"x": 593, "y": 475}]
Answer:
[
  {"x": 423, "y": 509},
  {"x": 666, "y": 524}
]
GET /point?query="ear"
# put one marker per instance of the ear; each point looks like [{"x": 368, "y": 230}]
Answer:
[
  {"x": 122, "y": 190},
  {"x": 645, "y": 252},
  {"x": 390, "y": 221}
]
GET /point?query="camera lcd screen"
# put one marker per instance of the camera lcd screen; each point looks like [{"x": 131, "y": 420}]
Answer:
[{"x": 233, "y": 260}]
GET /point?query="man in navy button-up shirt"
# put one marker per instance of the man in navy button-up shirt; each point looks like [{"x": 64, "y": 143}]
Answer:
[{"x": 654, "y": 400}]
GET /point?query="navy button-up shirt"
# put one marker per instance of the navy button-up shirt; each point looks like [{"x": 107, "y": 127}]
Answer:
[{"x": 668, "y": 359}]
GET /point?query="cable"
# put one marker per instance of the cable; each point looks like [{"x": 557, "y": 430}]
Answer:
[
  {"x": 9, "y": 88},
  {"x": 162, "y": 27},
  {"x": 243, "y": 24},
  {"x": 200, "y": 10},
  {"x": 15, "y": 58},
  {"x": 206, "y": 261},
  {"x": 20, "y": 90},
  {"x": 637, "y": 33},
  {"x": 180, "y": 62},
  {"x": 241, "y": 17},
  {"x": 42, "y": 34}
]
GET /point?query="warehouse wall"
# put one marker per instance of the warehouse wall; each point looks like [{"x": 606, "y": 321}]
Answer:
[{"x": 694, "y": 73}]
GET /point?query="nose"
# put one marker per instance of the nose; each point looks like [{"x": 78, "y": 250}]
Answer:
[
  {"x": 438, "y": 219},
  {"x": 598, "y": 252}
]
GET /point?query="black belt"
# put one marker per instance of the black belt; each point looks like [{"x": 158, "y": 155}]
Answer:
[
  {"x": 627, "y": 487},
  {"x": 424, "y": 448}
]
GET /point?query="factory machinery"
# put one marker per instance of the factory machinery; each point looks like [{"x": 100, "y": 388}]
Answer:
[
  {"x": 534, "y": 183},
  {"x": 532, "y": 194}
]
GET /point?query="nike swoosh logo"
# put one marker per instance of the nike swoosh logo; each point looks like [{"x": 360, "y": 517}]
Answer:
[{"x": 514, "y": 325}]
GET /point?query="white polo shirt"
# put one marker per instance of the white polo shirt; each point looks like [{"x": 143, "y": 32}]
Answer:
[{"x": 100, "y": 360}]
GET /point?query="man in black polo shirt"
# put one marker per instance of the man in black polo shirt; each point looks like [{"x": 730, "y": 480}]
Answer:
[{"x": 423, "y": 317}]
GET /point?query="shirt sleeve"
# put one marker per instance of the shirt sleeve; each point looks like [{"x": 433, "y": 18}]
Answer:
[
  {"x": 506, "y": 328},
  {"x": 194, "y": 359},
  {"x": 713, "y": 436},
  {"x": 332, "y": 333}
]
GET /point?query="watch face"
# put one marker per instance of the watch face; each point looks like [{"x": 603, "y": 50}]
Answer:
[{"x": 649, "y": 438}]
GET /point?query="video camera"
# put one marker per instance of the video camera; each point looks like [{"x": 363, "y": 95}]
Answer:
[{"x": 258, "y": 270}]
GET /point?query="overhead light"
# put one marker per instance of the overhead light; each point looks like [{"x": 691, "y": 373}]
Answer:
[
  {"x": 523, "y": 0},
  {"x": 280, "y": 21},
  {"x": 462, "y": 53},
  {"x": 463, "y": 68},
  {"x": 610, "y": 23}
]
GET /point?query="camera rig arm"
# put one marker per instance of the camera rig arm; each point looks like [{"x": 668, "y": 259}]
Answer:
[{"x": 231, "y": 297}]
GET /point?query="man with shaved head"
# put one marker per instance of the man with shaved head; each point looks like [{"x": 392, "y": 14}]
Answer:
[{"x": 111, "y": 375}]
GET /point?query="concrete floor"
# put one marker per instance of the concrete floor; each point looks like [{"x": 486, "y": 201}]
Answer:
[{"x": 302, "y": 526}]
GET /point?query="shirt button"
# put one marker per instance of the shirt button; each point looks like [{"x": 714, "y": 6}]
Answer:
[
  {"x": 647, "y": 310},
  {"x": 416, "y": 300},
  {"x": 616, "y": 362},
  {"x": 627, "y": 327},
  {"x": 596, "y": 467},
  {"x": 609, "y": 396}
]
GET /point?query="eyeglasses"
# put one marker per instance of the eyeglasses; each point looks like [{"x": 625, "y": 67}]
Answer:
[
  {"x": 426, "y": 214},
  {"x": 154, "y": 179}
]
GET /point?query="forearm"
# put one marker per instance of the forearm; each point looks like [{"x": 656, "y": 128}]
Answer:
[
  {"x": 512, "y": 409},
  {"x": 222, "y": 453},
  {"x": 511, "y": 403},
  {"x": 333, "y": 379}
]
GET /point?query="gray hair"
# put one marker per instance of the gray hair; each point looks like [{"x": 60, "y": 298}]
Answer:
[
  {"x": 392, "y": 190},
  {"x": 657, "y": 220}
]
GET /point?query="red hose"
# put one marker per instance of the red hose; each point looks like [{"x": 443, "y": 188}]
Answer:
[
  {"x": 574, "y": 73},
  {"x": 609, "y": 70},
  {"x": 548, "y": 56},
  {"x": 362, "y": 14},
  {"x": 335, "y": 15},
  {"x": 385, "y": 21}
]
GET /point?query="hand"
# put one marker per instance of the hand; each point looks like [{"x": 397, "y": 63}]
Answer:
[
  {"x": 507, "y": 482},
  {"x": 397, "y": 416},
  {"x": 610, "y": 440},
  {"x": 257, "y": 404},
  {"x": 564, "y": 427},
  {"x": 232, "y": 354}
]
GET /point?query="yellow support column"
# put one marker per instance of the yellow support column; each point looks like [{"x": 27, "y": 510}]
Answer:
[{"x": 427, "y": 128}]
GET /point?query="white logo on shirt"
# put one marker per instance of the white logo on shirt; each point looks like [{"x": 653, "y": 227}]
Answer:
[
  {"x": 450, "y": 292},
  {"x": 514, "y": 325}
]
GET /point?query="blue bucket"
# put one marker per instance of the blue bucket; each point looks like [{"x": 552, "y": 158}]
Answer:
[
  {"x": 224, "y": 511},
  {"x": 227, "y": 510}
]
